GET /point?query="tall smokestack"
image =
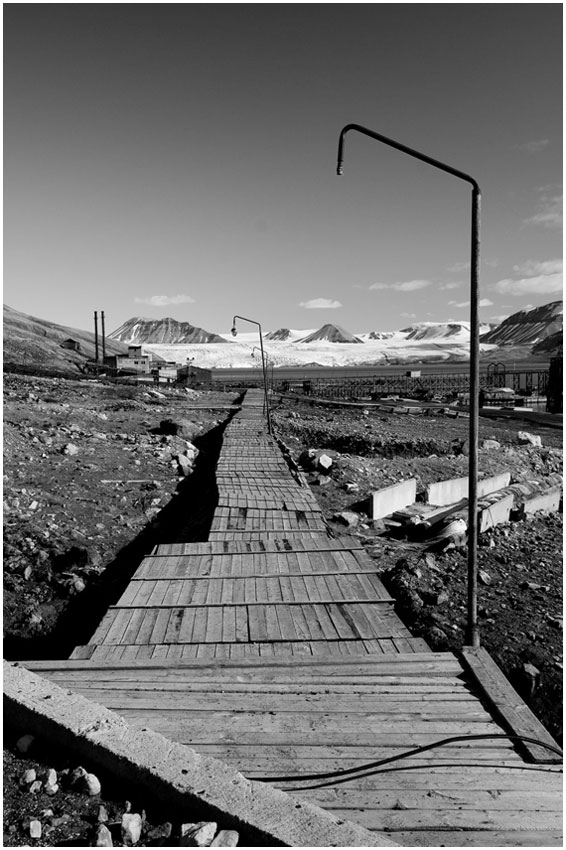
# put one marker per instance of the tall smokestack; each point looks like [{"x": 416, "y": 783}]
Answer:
[
  {"x": 103, "y": 336},
  {"x": 96, "y": 336}
]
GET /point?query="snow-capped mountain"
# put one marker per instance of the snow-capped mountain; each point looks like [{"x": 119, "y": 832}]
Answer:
[
  {"x": 164, "y": 332},
  {"x": 331, "y": 333},
  {"x": 332, "y": 345},
  {"x": 528, "y": 327}
]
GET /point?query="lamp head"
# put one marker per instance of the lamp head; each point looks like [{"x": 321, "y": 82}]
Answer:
[
  {"x": 339, "y": 169},
  {"x": 234, "y": 331}
]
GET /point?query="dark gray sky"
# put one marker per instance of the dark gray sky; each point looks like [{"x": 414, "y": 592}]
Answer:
[{"x": 179, "y": 160}]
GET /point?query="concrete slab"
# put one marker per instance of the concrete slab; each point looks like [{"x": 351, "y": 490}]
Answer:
[
  {"x": 495, "y": 513},
  {"x": 544, "y": 502},
  {"x": 172, "y": 772},
  {"x": 384, "y": 502},
  {"x": 455, "y": 489}
]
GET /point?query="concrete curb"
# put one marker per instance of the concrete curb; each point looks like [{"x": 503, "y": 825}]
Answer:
[{"x": 172, "y": 772}]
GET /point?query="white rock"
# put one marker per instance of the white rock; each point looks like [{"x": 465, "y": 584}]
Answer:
[
  {"x": 198, "y": 834},
  {"x": 324, "y": 462},
  {"x": 92, "y": 784},
  {"x": 226, "y": 838},
  {"x": 28, "y": 776},
  {"x": 70, "y": 449},
  {"x": 103, "y": 837},
  {"x": 131, "y": 828},
  {"x": 525, "y": 438},
  {"x": 35, "y": 829},
  {"x": 184, "y": 464}
]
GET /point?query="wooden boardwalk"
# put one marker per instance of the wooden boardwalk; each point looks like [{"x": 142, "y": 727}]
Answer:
[{"x": 275, "y": 647}]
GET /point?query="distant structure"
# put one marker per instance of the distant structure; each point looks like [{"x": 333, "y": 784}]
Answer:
[
  {"x": 71, "y": 344},
  {"x": 135, "y": 362}
]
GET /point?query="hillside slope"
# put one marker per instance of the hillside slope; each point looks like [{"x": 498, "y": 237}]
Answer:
[
  {"x": 527, "y": 327},
  {"x": 36, "y": 343}
]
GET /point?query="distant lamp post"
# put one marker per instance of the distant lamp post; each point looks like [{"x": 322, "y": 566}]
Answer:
[
  {"x": 234, "y": 332},
  {"x": 472, "y": 635}
]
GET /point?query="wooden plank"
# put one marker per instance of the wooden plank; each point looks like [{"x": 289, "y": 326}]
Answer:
[
  {"x": 345, "y": 799},
  {"x": 508, "y": 705},
  {"x": 391, "y": 822},
  {"x": 478, "y": 838}
]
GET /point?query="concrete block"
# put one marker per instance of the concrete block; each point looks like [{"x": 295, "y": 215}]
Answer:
[
  {"x": 493, "y": 483},
  {"x": 543, "y": 502},
  {"x": 495, "y": 512},
  {"x": 447, "y": 492},
  {"x": 170, "y": 772},
  {"x": 455, "y": 489},
  {"x": 384, "y": 502}
]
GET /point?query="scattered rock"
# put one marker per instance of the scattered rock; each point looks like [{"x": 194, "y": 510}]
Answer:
[
  {"x": 162, "y": 831},
  {"x": 103, "y": 837},
  {"x": 28, "y": 776},
  {"x": 70, "y": 449},
  {"x": 484, "y": 577},
  {"x": 24, "y": 743},
  {"x": 226, "y": 838},
  {"x": 524, "y": 438},
  {"x": 102, "y": 816},
  {"x": 490, "y": 445},
  {"x": 350, "y": 487},
  {"x": 197, "y": 834},
  {"x": 131, "y": 828},
  {"x": 35, "y": 829},
  {"x": 348, "y": 518}
]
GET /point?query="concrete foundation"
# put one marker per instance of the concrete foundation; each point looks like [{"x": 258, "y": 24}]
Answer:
[
  {"x": 384, "y": 502},
  {"x": 455, "y": 489},
  {"x": 544, "y": 502},
  {"x": 172, "y": 772},
  {"x": 495, "y": 513}
]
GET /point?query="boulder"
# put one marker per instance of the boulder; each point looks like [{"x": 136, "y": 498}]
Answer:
[
  {"x": 226, "y": 838},
  {"x": 348, "y": 518},
  {"x": 131, "y": 829},
  {"x": 526, "y": 439},
  {"x": 197, "y": 834},
  {"x": 102, "y": 837}
]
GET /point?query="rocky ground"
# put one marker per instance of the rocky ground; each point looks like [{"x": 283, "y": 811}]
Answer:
[{"x": 95, "y": 474}]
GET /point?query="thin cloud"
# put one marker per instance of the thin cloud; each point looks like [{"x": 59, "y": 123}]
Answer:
[
  {"x": 542, "y": 278},
  {"x": 459, "y": 267},
  {"x": 165, "y": 300},
  {"x": 484, "y": 302},
  {"x": 409, "y": 315},
  {"x": 403, "y": 286},
  {"x": 452, "y": 285},
  {"x": 320, "y": 304},
  {"x": 548, "y": 211},
  {"x": 533, "y": 147}
]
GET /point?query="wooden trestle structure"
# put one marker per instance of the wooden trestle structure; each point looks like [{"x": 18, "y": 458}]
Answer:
[{"x": 274, "y": 647}]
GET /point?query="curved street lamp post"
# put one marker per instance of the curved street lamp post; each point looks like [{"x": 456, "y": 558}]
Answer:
[
  {"x": 235, "y": 333},
  {"x": 472, "y": 628}
]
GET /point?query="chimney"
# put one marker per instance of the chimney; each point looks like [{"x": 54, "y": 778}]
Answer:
[
  {"x": 96, "y": 336},
  {"x": 103, "y": 336}
]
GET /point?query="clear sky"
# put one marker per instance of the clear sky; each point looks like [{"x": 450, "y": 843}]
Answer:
[{"x": 179, "y": 160}]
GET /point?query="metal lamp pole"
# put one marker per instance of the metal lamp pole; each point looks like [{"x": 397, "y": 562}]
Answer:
[
  {"x": 472, "y": 635},
  {"x": 235, "y": 333}
]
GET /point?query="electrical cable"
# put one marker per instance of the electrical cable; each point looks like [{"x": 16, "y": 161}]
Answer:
[
  {"x": 354, "y": 772},
  {"x": 399, "y": 768}
]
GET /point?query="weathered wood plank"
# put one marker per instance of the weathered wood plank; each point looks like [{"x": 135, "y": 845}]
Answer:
[{"x": 515, "y": 714}]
